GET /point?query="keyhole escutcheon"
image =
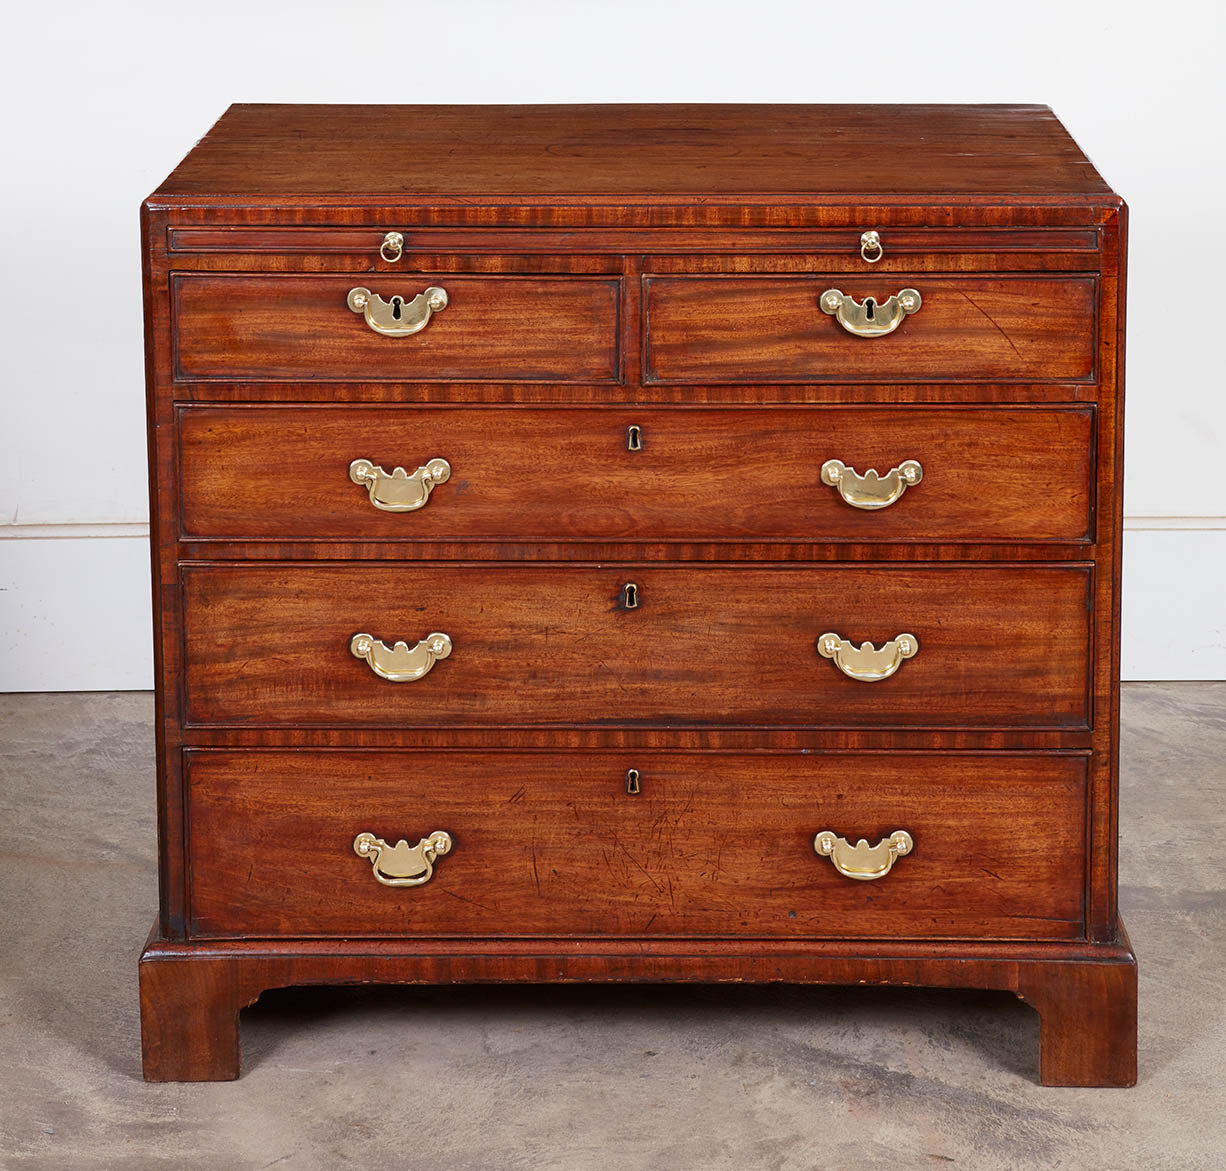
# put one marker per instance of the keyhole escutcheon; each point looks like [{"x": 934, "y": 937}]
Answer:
[
  {"x": 634, "y": 785},
  {"x": 634, "y": 438},
  {"x": 630, "y": 596}
]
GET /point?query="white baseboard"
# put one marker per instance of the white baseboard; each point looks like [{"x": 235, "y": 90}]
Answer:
[
  {"x": 75, "y": 608},
  {"x": 1174, "y": 619},
  {"x": 75, "y": 604}
]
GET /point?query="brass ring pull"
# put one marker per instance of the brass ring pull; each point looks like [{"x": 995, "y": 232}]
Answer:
[
  {"x": 871, "y": 491},
  {"x": 871, "y": 242},
  {"x": 398, "y": 490},
  {"x": 397, "y": 317},
  {"x": 862, "y": 861},
  {"x": 392, "y": 247},
  {"x": 865, "y": 663},
  {"x": 402, "y": 864},
  {"x": 400, "y": 663},
  {"x": 870, "y": 318}
]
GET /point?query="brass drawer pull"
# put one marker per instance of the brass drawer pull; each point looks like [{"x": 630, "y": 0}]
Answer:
[
  {"x": 397, "y": 317},
  {"x": 865, "y": 662},
  {"x": 402, "y": 864},
  {"x": 400, "y": 663},
  {"x": 398, "y": 490},
  {"x": 870, "y": 318},
  {"x": 870, "y": 247},
  {"x": 862, "y": 861},
  {"x": 392, "y": 247},
  {"x": 871, "y": 491}
]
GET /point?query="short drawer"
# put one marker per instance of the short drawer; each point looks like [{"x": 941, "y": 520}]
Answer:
[
  {"x": 560, "y": 329},
  {"x": 553, "y": 844},
  {"x": 550, "y": 645},
  {"x": 658, "y": 474},
  {"x": 965, "y": 329}
]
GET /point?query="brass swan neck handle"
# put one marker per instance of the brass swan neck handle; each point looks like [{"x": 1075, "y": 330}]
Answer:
[
  {"x": 398, "y": 490},
  {"x": 862, "y": 861},
  {"x": 402, "y": 864},
  {"x": 870, "y": 318},
  {"x": 871, "y": 491},
  {"x": 400, "y": 663},
  {"x": 397, "y": 317},
  {"x": 865, "y": 662}
]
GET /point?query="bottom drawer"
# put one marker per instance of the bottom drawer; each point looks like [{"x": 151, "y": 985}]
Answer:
[{"x": 712, "y": 844}]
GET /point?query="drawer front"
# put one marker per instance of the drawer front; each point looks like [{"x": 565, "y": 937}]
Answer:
[
  {"x": 551, "y": 474},
  {"x": 967, "y": 329},
  {"x": 904, "y": 249},
  {"x": 555, "y": 645},
  {"x": 711, "y": 845},
  {"x": 536, "y": 329}
]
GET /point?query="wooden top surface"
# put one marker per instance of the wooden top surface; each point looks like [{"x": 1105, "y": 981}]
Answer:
[{"x": 285, "y": 152}]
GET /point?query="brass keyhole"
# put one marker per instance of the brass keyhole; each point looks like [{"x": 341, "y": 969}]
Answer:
[
  {"x": 630, "y": 596},
  {"x": 396, "y": 304},
  {"x": 633, "y": 784},
  {"x": 869, "y": 306},
  {"x": 634, "y": 438}
]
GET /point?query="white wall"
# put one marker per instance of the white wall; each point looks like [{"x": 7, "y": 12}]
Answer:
[{"x": 101, "y": 100}]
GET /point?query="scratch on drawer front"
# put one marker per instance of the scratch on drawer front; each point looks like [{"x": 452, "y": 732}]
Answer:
[{"x": 993, "y": 321}]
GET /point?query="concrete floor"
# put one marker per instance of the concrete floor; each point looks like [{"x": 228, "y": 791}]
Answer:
[{"x": 508, "y": 1078}]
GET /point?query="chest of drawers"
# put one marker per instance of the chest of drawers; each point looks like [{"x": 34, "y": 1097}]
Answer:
[{"x": 636, "y": 544}]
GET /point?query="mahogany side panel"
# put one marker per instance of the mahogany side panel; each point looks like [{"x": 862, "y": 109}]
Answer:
[
  {"x": 1101, "y": 875},
  {"x": 164, "y": 526}
]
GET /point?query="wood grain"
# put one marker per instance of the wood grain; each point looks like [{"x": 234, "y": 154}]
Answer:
[
  {"x": 554, "y": 645},
  {"x": 537, "y": 329},
  {"x": 593, "y": 211},
  {"x": 713, "y": 845},
  {"x": 772, "y": 330},
  {"x": 847, "y": 213},
  {"x": 460, "y": 152},
  {"x": 992, "y": 250},
  {"x": 634, "y": 393},
  {"x": 535, "y": 476},
  {"x": 191, "y": 993},
  {"x": 1088, "y": 1022}
]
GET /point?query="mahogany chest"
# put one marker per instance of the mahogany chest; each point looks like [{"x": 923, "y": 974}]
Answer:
[{"x": 636, "y": 543}]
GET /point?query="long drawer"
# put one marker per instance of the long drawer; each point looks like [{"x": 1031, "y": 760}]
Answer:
[
  {"x": 961, "y": 329},
  {"x": 539, "y": 645},
  {"x": 651, "y": 474},
  {"x": 310, "y": 328},
  {"x": 710, "y": 845}
]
